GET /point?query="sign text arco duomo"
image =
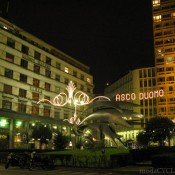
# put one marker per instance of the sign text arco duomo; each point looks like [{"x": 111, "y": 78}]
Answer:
[{"x": 140, "y": 96}]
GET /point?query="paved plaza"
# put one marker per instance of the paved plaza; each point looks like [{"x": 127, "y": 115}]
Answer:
[{"x": 129, "y": 170}]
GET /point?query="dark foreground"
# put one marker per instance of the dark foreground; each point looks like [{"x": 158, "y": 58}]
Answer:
[{"x": 128, "y": 170}]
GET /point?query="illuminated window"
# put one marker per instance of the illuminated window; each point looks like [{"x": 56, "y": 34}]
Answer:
[
  {"x": 18, "y": 124},
  {"x": 3, "y": 123},
  {"x": 173, "y": 14},
  {"x": 157, "y": 18},
  {"x": 88, "y": 80},
  {"x": 156, "y": 2},
  {"x": 66, "y": 70},
  {"x": 169, "y": 59}
]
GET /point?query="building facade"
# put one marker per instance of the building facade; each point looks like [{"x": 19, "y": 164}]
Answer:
[
  {"x": 30, "y": 70},
  {"x": 133, "y": 88},
  {"x": 164, "y": 47}
]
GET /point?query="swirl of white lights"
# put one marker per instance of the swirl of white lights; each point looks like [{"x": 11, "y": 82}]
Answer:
[{"x": 79, "y": 99}]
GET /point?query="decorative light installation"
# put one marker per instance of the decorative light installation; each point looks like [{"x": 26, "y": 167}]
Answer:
[{"x": 78, "y": 99}]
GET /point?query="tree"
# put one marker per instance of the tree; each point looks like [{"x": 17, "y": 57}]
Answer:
[
  {"x": 160, "y": 128},
  {"x": 43, "y": 133},
  {"x": 143, "y": 138},
  {"x": 61, "y": 141}
]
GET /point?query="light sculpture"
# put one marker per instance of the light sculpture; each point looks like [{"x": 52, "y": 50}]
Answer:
[{"x": 78, "y": 98}]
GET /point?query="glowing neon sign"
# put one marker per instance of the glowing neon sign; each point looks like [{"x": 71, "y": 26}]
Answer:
[{"x": 140, "y": 96}]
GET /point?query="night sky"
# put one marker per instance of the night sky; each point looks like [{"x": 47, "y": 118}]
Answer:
[{"x": 110, "y": 36}]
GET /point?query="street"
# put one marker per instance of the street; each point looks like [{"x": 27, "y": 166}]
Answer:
[{"x": 60, "y": 171}]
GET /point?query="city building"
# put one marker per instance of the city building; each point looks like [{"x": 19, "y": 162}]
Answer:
[
  {"x": 135, "y": 87},
  {"x": 164, "y": 47},
  {"x": 30, "y": 70}
]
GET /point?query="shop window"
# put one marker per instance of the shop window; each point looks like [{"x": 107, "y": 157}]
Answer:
[
  {"x": 9, "y": 57},
  {"x": 24, "y": 63},
  {"x": 22, "y": 93},
  {"x": 36, "y": 69},
  {"x": 7, "y": 89},
  {"x": 24, "y": 49},
  {"x": 6, "y": 104},
  {"x": 8, "y": 73}
]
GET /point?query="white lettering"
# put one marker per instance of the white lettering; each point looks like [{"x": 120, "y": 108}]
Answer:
[{"x": 141, "y": 95}]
